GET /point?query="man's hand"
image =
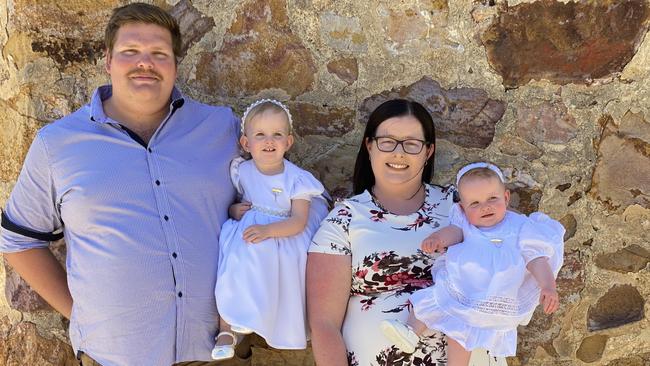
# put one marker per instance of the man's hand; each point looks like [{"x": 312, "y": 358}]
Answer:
[
  {"x": 434, "y": 243},
  {"x": 237, "y": 210},
  {"x": 257, "y": 233},
  {"x": 550, "y": 300}
]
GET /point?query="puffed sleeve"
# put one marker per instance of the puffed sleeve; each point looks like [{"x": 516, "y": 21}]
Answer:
[
  {"x": 32, "y": 205},
  {"x": 541, "y": 236},
  {"x": 234, "y": 174},
  {"x": 457, "y": 216},
  {"x": 305, "y": 186},
  {"x": 333, "y": 235}
]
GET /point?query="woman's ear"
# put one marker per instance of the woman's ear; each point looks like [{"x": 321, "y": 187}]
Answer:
[
  {"x": 368, "y": 142},
  {"x": 430, "y": 150}
]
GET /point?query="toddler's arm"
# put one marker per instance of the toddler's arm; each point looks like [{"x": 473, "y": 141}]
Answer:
[
  {"x": 443, "y": 238},
  {"x": 541, "y": 270},
  {"x": 237, "y": 210},
  {"x": 291, "y": 226}
]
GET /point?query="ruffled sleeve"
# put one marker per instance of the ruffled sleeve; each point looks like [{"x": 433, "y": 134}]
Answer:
[
  {"x": 305, "y": 186},
  {"x": 541, "y": 236},
  {"x": 234, "y": 175},
  {"x": 333, "y": 236},
  {"x": 457, "y": 216}
]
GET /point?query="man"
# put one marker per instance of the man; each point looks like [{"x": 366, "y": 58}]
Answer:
[{"x": 138, "y": 183}]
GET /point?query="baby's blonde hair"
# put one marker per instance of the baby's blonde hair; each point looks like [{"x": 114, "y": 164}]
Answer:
[{"x": 262, "y": 106}]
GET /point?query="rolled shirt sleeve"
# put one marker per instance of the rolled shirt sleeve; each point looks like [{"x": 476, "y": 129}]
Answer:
[
  {"x": 32, "y": 204},
  {"x": 333, "y": 237}
]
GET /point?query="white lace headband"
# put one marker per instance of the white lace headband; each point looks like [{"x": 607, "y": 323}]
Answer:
[
  {"x": 262, "y": 101},
  {"x": 481, "y": 164}
]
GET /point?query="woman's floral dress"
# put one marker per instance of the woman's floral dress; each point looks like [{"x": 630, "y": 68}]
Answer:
[{"x": 387, "y": 266}]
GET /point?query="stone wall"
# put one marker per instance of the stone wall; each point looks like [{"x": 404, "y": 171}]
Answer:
[{"x": 556, "y": 92}]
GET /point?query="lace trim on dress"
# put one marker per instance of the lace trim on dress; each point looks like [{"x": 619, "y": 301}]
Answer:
[
  {"x": 494, "y": 304},
  {"x": 272, "y": 212}
]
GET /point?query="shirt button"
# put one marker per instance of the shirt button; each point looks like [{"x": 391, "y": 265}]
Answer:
[
  {"x": 174, "y": 255},
  {"x": 157, "y": 182},
  {"x": 180, "y": 294},
  {"x": 166, "y": 218},
  {"x": 149, "y": 149}
]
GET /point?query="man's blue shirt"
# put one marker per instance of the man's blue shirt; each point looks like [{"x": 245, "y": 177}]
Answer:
[{"x": 141, "y": 224}]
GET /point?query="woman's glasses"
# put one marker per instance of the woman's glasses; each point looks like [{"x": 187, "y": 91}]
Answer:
[{"x": 409, "y": 146}]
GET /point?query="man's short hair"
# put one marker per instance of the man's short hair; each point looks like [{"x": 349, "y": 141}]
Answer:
[{"x": 142, "y": 13}]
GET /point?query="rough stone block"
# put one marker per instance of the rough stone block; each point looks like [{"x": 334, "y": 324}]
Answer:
[
  {"x": 564, "y": 42},
  {"x": 622, "y": 304},
  {"x": 463, "y": 116},
  {"x": 629, "y": 259},
  {"x": 259, "y": 51},
  {"x": 591, "y": 349}
]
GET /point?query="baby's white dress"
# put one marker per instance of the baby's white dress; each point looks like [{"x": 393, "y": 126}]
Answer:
[
  {"x": 262, "y": 286},
  {"x": 482, "y": 289}
]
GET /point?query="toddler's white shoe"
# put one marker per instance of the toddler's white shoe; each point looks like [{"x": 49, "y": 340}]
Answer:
[
  {"x": 240, "y": 330},
  {"x": 401, "y": 334},
  {"x": 224, "y": 351}
]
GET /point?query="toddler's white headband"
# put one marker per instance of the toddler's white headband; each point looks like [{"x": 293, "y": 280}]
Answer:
[
  {"x": 262, "y": 101},
  {"x": 481, "y": 164}
]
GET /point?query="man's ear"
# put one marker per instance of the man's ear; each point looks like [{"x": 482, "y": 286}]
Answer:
[{"x": 107, "y": 65}]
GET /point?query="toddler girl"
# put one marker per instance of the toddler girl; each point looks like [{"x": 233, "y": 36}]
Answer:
[
  {"x": 491, "y": 282},
  {"x": 263, "y": 249}
]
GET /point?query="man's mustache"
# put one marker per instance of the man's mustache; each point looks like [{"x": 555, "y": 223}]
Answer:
[{"x": 149, "y": 74}]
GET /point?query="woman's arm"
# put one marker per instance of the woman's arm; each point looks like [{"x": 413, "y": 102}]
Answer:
[
  {"x": 291, "y": 226},
  {"x": 329, "y": 279}
]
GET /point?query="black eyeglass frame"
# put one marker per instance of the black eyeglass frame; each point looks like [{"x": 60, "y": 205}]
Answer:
[{"x": 400, "y": 142}]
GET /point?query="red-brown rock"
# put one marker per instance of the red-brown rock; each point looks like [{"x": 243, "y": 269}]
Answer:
[
  {"x": 463, "y": 116},
  {"x": 347, "y": 69},
  {"x": 310, "y": 119},
  {"x": 545, "y": 122},
  {"x": 622, "y": 174},
  {"x": 572, "y": 42},
  {"x": 259, "y": 52}
]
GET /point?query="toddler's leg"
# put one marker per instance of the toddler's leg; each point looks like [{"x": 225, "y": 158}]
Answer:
[
  {"x": 457, "y": 355},
  {"x": 224, "y": 327},
  {"x": 418, "y": 327}
]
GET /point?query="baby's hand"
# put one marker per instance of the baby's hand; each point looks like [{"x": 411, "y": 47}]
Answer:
[
  {"x": 237, "y": 210},
  {"x": 256, "y": 233},
  {"x": 550, "y": 300},
  {"x": 433, "y": 243}
]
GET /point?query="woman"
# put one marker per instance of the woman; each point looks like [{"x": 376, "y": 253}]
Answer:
[{"x": 365, "y": 260}]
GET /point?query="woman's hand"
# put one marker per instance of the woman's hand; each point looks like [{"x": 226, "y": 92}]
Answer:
[
  {"x": 237, "y": 210},
  {"x": 257, "y": 233}
]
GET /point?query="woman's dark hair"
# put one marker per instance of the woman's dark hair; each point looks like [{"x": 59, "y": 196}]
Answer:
[{"x": 364, "y": 178}]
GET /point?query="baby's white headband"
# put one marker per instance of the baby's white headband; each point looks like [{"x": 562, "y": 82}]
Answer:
[
  {"x": 481, "y": 164},
  {"x": 262, "y": 101}
]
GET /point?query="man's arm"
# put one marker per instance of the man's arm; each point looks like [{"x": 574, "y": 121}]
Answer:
[{"x": 40, "y": 269}]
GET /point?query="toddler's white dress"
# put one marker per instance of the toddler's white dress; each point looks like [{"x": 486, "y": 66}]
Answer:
[
  {"x": 483, "y": 290},
  {"x": 262, "y": 286}
]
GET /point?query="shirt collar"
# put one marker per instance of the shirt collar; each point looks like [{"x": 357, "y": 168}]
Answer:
[{"x": 105, "y": 91}]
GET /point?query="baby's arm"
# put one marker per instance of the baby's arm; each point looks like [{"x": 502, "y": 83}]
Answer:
[
  {"x": 237, "y": 210},
  {"x": 443, "y": 238},
  {"x": 541, "y": 270},
  {"x": 291, "y": 226}
]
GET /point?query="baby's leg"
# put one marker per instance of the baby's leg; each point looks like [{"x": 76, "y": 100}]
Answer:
[{"x": 457, "y": 355}]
